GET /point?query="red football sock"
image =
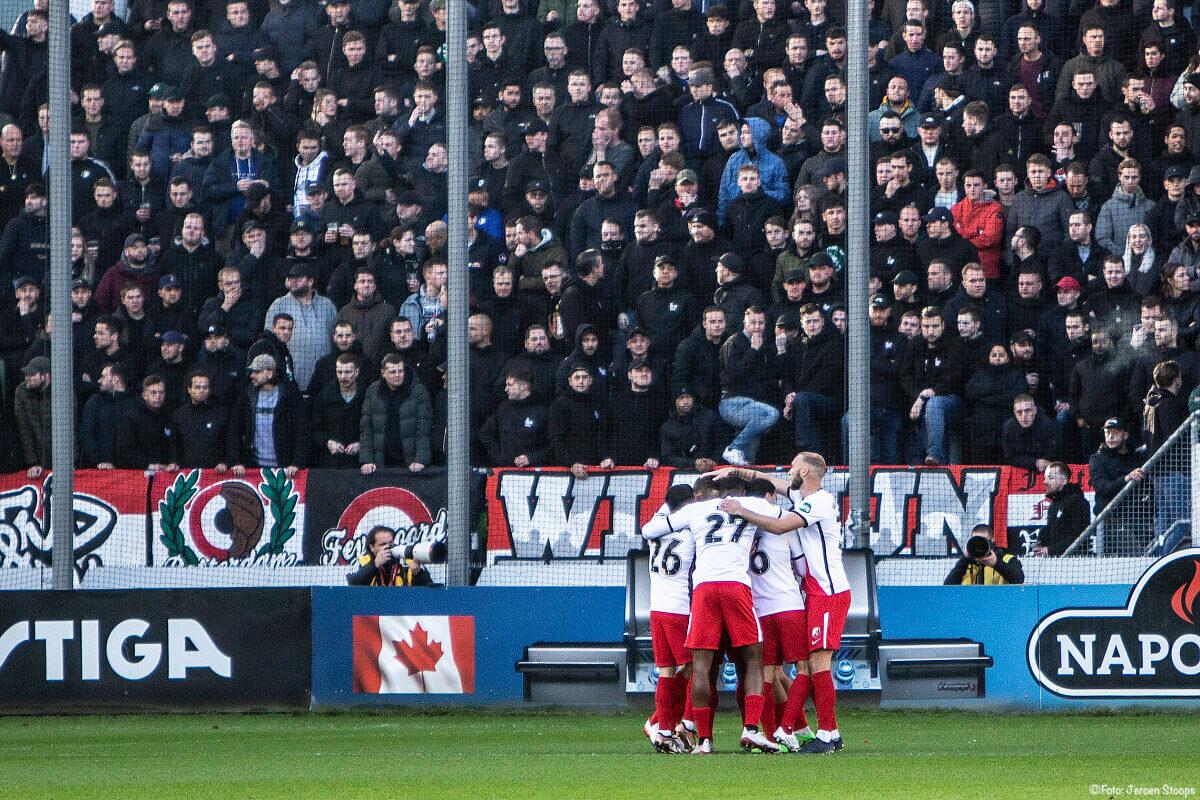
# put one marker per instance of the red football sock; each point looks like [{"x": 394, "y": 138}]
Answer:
[
  {"x": 794, "y": 709},
  {"x": 824, "y": 698},
  {"x": 704, "y": 722},
  {"x": 768, "y": 709},
  {"x": 752, "y": 715},
  {"x": 662, "y": 701}
]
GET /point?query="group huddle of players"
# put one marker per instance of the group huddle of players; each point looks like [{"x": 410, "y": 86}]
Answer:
[{"x": 732, "y": 572}]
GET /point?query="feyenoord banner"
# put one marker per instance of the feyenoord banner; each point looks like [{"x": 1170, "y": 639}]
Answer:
[
  {"x": 539, "y": 518},
  {"x": 343, "y": 506},
  {"x": 414, "y": 655}
]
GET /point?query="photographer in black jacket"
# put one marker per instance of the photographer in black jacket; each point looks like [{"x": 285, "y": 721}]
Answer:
[{"x": 983, "y": 564}]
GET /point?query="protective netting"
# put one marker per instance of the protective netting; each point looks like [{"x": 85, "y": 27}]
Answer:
[{"x": 1150, "y": 515}]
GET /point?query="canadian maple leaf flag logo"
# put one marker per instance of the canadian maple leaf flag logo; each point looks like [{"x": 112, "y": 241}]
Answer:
[{"x": 414, "y": 655}]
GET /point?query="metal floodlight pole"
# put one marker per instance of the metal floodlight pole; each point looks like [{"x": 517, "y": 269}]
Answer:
[
  {"x": 458, "y": 424},
  {"x": 62, "y": 387},
  {"x": 857, "y": 264}
]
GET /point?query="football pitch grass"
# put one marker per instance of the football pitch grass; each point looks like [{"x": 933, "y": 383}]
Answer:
[{"x": 480, "y": 755}]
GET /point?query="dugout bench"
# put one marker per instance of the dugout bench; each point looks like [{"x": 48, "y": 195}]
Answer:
[{"x": 901, "y": 671}]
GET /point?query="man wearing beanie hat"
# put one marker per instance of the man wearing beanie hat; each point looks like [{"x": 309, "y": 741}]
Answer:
[
  {"x": 32, "y": 410},
  {"x": 735, "y": 293}
]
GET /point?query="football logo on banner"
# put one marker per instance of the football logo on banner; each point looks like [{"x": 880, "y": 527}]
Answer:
[{"x": 414, "y": 655}]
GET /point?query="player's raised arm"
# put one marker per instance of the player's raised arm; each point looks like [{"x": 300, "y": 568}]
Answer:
[
  {"x": 781, "y": 485},
  {"x": 778, "y": 526}
]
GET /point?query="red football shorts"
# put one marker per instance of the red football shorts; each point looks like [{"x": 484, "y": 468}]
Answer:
[
  {"x": 722, "y": 606},
  {"x": 785, "y": 637},
  {"x": 668, "y": 633},
  {"x": 826, "y": 619}
]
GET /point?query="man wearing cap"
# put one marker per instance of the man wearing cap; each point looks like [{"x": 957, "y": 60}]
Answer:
[
  {"x": 794, "y": 283},
  {"x": 268, "y": 424},
  {"x": 668, "y": 309},
  {"x": 21, "y": 323},
  {"x": 701, "y": 252},
  {"x": 1161, "y": 219},
  {"x": 32, "y": 410},
  {"x": 1187, "y": 252},
  {"x": 172, "y": 368},
  {"x": 823, "y": 288},
  {"x": 135, "y": 267},
  {"x": 25, "y": 245},
  {"x": 222, "y": 363},
  {"x": 538, "y": 163},
  {"x": 944, "y": 243},
  {"x": 313, "y": 317},
  {"x": 1113, "y": 464},
  {"x": 891, "y": 253},
  {"x": 905, "y": 292}
]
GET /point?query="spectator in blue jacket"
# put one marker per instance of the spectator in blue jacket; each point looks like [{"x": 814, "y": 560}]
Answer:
[{"x": 771, "y": 170}]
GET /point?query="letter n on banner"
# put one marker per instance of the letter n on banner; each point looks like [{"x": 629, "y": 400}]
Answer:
[{"x": 414, "y": 655}]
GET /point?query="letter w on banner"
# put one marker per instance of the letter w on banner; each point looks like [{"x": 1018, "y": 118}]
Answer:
[{"x": 414, "y": 655}]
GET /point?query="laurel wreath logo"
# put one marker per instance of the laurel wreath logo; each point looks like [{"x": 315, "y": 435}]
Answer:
[
  {"x": 171, "y": 508},
  {"x": 277, "y": 488}
]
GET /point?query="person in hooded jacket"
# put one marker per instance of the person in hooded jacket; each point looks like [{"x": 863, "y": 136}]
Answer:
[
  {"x": 687, "y": 439},
  {"x": 668, "y": 311},
  {"x": 753, "y": 134},
  {"x": 583, "y": 298},
  {"x": 588, "y": 354},
  {"x": 577, "y": 423},
  {"x": 991, "y": 391}
]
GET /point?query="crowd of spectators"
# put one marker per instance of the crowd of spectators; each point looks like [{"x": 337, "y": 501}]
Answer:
[{"x": 658, "y": 236}]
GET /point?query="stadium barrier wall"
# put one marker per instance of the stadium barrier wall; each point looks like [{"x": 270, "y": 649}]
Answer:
[
  {"x": 153, "y": 650},
  {"x": 1066, "y": 648},
  {"x": 375, "y": 647}
]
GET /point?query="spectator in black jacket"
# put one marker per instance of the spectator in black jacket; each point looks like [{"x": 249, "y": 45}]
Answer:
[
  {"x": 688, "y": 437},
  {"x": 267, "y": 400},
  {"x": 1029, "y": 438},
  {"x": 144, "y": 438},
  {"x": 337, "y": 414},
  {"x": 198, "y": 426},
  {"x": 747, "y": 387},
  {"x": 697, "y": 364},
  {"x": 935, "y": 377},
  {"x": 1068, "y": 515},
  {"x": 1097, "y": 389},
  {"x": 234, "y": 310},
  {"x": 583, "y": 299},
  {"x": 516, "y": 435},
  {"x": 636, "y": 414},
  {"x": 103, "y": 415},
  {"x": 1112, "y": 466},
  {"x": 577, "y": 423},
  {"x": 667, "y": 311},
  {"x": 813, "y": 377}
]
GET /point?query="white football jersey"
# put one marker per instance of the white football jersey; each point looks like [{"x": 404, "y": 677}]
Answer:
[
  {"x": 671, "y": 555},
  {"x": 774, "y": 566},
  {"x": 821, "y": 539},
  {"x": 723, "y": 542}
]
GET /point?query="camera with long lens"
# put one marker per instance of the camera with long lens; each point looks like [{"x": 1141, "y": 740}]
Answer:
[
  {"x": 422, "y": 552},
  {"x": 978, "y": 547}
]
